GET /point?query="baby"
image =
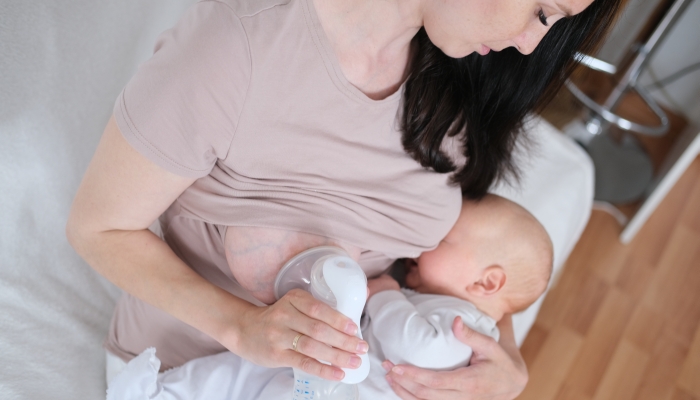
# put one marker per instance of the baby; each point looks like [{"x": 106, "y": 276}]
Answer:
[{"x": 496, "y": 260}]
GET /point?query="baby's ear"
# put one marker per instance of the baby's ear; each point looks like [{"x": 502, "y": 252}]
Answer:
[{"x": 492, "y": 281}]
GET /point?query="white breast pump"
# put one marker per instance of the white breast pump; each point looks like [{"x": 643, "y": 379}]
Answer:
[{"x": 331, "y": 276}]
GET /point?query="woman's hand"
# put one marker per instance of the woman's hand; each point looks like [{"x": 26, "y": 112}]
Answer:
[
  {"x": 265, "y": 335},
  {"x": 496, "y": 372}
]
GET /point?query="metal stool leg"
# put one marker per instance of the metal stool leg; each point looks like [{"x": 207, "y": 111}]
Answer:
[{"x": 623, "y": 169}]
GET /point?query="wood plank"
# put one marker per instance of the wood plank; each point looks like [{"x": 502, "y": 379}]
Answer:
[
  {"x": 652, "y": 239},
  {"x": 690, "y": 216},
  {"x": 609, "y": 255},
  {"x": 674, "y": 290},
  {"x": 560, "y": 298},
  {"x": 564, "y": 295},
  {"x": 569, "y": 393},
  {"x": 635, "y": 277},
  {"x": 680, "y": 394},
  {"x": 689, "y": 379},
  {"x": 645, "y": 328},
  {"x": 661, "y": 373},
  {"x": 600, "y": 342},
  {"x": 581, "y": 314},
  {"x": 551, "y": 364},
  {"x": 624, "y": 373},
  {"x": 649, "y": 308}
]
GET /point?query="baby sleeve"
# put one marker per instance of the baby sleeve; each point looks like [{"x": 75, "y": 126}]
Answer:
[
  {"x": 181, "y": 108},
  {"x": 408, "y": 337}
]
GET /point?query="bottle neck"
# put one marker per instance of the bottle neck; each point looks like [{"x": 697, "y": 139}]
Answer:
[{"x": 318, "y": 286}]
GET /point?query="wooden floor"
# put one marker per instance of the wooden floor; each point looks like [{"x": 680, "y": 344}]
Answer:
[{"x": 623, "y": 322}]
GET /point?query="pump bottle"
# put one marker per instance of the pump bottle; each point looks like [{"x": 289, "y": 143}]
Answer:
[{"x": 331, "y": 276}]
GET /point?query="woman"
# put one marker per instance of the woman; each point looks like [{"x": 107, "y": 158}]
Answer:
[{"x": 262, "y": 128}]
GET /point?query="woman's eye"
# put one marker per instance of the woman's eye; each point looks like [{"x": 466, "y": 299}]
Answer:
[{"x": 543, "y": 18}]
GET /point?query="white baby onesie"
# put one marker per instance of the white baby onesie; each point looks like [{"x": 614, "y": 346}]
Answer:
[{"x": 404, "y": 327}]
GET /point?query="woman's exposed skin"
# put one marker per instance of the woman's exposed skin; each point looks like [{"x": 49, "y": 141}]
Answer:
[
  {"x": 255, "y": 255},
  {"x": 372, "y": 39},
  {"x": 122, "y": 193}
]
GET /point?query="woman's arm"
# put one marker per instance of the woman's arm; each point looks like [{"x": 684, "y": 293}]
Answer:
[
  {"x": 121, "y": 194},
  {"x": 497, "y": 370}
]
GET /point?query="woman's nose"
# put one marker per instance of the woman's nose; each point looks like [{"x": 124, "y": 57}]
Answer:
[{"x": 528, "y": 40}]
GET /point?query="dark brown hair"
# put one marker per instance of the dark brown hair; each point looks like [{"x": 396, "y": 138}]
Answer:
[{"x": 488, "y": 97}]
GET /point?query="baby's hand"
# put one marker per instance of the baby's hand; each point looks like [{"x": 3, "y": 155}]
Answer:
[{"x": 380, "y": 284}]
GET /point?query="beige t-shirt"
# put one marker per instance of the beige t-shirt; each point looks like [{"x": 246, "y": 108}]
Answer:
[{"x": 248, "y": 96}]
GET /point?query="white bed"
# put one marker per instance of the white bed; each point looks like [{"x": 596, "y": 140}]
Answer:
[{"x": 62, "y": 65}]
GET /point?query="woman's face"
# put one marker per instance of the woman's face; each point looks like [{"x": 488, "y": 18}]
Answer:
[{"x": 460, "y": 27}]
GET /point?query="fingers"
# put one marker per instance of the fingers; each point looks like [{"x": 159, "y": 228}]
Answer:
[
  {"x": 495, "y": 374},
  {"x": 325, "y": 324},
  {"x": 313, "y": 348},
  {"x": 307, "y": 304},
  {"x": 410, "y": 382},
  {"x": 399, "y": 390},
  {"x": 424, "y": 377},
  {"x": 322, "y": 338},
  {"x": 480, "y": 344},
  {"x": 314, "y": 367},
  {"x": 407, "y": 387}
]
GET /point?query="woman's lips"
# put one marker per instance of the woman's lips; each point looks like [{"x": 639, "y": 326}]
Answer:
[{"x": 484, "y": 50}]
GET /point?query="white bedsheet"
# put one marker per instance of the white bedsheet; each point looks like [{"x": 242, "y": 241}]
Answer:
[{"x": 62, "y": 65}]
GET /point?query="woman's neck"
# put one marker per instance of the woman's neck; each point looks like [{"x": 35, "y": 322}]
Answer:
[{"x": 372, "y": 40}]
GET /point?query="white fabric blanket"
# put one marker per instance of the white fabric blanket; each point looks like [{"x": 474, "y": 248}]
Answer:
[{"x": 62, "y": 65}]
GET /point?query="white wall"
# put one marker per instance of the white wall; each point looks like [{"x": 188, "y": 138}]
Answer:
[
  {"x": 680, "y": 48},
  {"x": 62, "y": 65}
]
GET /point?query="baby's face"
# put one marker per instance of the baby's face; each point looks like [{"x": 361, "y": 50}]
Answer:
[
  {"x": 447, "y": 270},
  {"x": 492, "y": 240}
]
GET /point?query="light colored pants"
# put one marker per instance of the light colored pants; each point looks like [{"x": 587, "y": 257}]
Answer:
[{"x": 114, "y": 365}]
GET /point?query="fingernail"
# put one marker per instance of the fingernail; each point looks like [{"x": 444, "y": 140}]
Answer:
[
  {"x": 387, "y": 366},
  {"x": 351, "y": 328},
  {"x": 362, "y": 347},
  {"x": 338, "y": 374},
  {"x": 355, "y": 361},
  {"x": 397, "y": 370}
]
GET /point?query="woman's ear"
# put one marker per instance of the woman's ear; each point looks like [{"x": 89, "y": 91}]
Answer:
[{"x": 492, "y": 280}]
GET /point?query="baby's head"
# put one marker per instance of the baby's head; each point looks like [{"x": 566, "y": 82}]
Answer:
[{"x": 497, "y": 256}]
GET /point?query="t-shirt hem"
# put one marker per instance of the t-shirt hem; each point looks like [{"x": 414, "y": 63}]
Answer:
[{"x": 116, "y": 351}]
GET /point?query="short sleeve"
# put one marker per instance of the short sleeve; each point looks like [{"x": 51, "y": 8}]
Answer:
[{"x": 182, "y": 107}]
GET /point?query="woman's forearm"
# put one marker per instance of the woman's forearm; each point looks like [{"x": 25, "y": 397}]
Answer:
[
  {"x": 121, "y": 194},
  {"x": 507, "y": 342},
  {"x": 140, "y": 263}
]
